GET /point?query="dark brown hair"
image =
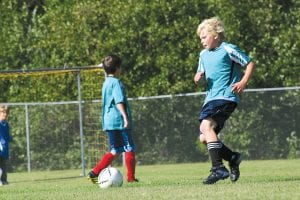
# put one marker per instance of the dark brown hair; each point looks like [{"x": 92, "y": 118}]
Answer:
[{"x": 111, "y": 63}]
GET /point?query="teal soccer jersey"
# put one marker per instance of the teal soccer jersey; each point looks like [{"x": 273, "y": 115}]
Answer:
[
  {"x": 222, "y": 68},
  {"x": 113, "y": 93}
]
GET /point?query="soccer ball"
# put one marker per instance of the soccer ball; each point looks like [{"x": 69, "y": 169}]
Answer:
[{"x": 110, "y": 177}]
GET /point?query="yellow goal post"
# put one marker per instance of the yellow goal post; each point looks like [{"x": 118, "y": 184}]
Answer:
[{"x": 71, "y": 98}]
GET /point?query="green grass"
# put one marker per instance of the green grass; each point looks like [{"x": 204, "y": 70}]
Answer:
[{"x": 271, "y": 179}]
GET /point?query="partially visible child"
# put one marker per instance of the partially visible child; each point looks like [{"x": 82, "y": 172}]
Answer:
[
  {"x": 116, "y": 121},
  {"x": 5, "y": 138}
]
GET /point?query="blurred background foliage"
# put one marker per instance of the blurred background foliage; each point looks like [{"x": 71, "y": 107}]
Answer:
[{"x": 156, "y": 39}]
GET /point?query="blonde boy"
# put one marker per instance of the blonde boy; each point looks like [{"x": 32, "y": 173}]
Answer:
[{"x": 221, "y": 64}]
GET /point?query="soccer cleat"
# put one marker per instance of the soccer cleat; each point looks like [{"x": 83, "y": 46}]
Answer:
[
  {"x": 234, "y": 164},
  {"x": 132, "y": 180},
  {"x": 92, "y": 177},
  {"x": 217, "y": 173},
  {"x": 5, "y": 183}
]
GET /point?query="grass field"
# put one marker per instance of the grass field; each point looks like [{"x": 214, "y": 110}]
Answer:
[{"x": 271, "y": 179}]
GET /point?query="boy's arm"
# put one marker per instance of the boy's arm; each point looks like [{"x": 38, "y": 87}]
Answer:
[
  {"x": 121, "y": 108},
  {"x": 239, "y": 87},
  {"x": 198, "y": 76},
  {"x": 200, "y": 71}
]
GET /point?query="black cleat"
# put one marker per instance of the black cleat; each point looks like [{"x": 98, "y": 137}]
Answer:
[
  {"x": 217, "y": 173},
  {"x": 5, "y": 183},
  {"x": 92, "y": 177},
  {"x": 234, "y": 164},
  {"x": 132, "y": 180}
]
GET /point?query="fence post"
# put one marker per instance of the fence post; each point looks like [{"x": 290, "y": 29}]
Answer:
[
  {"x": 80, "y": 123},
  {"x": 27, "y": 138}
]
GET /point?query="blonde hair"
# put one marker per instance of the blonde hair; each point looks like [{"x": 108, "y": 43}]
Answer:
[
  {"x": 214, "y": 26},
  {"x": 4, "y": 108}
]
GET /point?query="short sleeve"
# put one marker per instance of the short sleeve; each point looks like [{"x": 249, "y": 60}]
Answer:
[
  {"x": 237, "y": 55},
  {"x": 118, "y": 92},
  {"x": 200, "y": 63}
]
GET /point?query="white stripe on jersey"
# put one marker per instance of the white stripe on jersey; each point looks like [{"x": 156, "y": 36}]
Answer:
[{"x": 235, "y": 55}]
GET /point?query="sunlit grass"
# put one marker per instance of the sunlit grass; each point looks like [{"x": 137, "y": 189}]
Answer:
[{"x": 273, "y": 179}]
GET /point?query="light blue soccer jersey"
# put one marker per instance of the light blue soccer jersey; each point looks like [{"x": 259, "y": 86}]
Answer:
[
  {"x": 222, "y": 68},
  {"x": 113, "y": 93}
]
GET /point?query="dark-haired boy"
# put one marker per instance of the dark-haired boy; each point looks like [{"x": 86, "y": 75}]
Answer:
[{"x": 116, "y": 120}]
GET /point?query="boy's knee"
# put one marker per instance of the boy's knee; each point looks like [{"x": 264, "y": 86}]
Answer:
[
  {"x": 114, "y": 153},
  {"x": 202, "y": 138},
  {"x": 207, "y": 125},
  {"x": 203, "y": 129}
]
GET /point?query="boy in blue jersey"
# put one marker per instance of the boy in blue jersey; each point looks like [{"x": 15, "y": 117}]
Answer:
[
  {"x": 116, "y": 121},
  {"x": 5, "y": 138},
  {"x": 221, "y": 64}
]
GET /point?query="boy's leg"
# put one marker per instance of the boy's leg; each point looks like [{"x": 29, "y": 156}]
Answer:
[
  {"x": 226, "y": 153},
  {"x": 212, "y": 118},
  {"x": 130, "y": 165},
  {"x": 3, "y": 166},
  {"x": 234, "y": 164},
  {"x": 106, "y": 160},
  {"x": 115, "y": 142},
  {"x": 234, "y": 159},
  {"x": 130, "y": 161},
  {"x": 1, "y": 160},
  {"x": 214, "y": 146},
  {"x": 1, "y": 176},
  {"x": 4, "y": 172},
  {"x": 218, "y": 170},
  {"x": 202, "y": 138}
]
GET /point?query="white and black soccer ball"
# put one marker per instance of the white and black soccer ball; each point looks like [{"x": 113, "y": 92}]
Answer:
[{"x": 110, "y": 177}]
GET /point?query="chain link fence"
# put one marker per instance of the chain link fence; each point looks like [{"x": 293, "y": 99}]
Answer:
[{"x": 47, "y": 135}]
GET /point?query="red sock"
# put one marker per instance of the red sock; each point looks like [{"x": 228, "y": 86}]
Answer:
[
  {"x": 130, "y": 165},
  {"x": 105, "y": 162}
]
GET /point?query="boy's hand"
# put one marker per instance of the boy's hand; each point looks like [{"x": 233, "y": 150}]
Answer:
[
  {"x": 238, "y": 87},
  {"x": 198, "y": 76},
  {"x": 122, "y": 109},
  {"x": 126, "y": 124}
]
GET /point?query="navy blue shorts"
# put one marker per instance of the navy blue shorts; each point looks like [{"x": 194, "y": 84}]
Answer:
[
  {"x": 219, "y": 110},
  {"x": 120, "y": 141}
]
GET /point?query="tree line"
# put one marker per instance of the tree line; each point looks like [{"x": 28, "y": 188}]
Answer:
[{"x": 156, "y": 39}]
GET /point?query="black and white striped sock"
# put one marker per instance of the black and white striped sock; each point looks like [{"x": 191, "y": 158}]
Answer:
[{"x": 214, "y": 149}]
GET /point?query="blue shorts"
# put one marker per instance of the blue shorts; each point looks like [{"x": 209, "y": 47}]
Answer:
[
  {"x": 219, "y": 110},
  {"x": 120, "y": 141}
]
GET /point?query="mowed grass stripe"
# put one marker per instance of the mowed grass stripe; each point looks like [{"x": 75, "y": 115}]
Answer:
[{"x": 269, "y": 179}]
